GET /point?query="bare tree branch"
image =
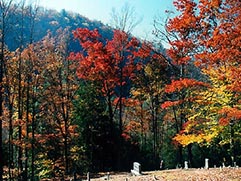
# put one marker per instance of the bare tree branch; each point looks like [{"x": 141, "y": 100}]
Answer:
[{"x": 125, "y": 19}]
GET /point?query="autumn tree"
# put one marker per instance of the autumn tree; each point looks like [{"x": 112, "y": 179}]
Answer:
[
  {"x": 21, "y": 93},
  {"x": 179, "y": 53},
  {"x": 204, "y": 33},
  {"x": 108, "y": 62},
  {"x": 5, "y": 6},
  {"x": 44, "y": 69},
  {"x": 55, "y": 107},
  {"x": 125, "y": 20},
  {"x": 61, "y": 77},
  {"x": 22, "y": 140},
  {"x": 151, "y": 74}
]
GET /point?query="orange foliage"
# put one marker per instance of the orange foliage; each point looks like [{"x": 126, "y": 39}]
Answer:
[
  {"x": 101, "y": 61},
  {"x": 206, "y": 33},
  {"x": 131, "y": 130},
  {"x": 229, "y": 113},
  {"x": 178, "y": 85},
  {"x": 167, "y": 104}
]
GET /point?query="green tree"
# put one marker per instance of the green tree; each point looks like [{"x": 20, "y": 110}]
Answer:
[{"x": 96, "y": 136}]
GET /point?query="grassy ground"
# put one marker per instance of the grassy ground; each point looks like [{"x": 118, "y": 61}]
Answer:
[{"x": 213, "y": 174}]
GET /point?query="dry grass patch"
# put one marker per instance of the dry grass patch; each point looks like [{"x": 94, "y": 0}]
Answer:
[{"x": 213, "y": 174}]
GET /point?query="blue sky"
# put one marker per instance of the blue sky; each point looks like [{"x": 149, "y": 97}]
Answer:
[{"x": 101, "y": 9}]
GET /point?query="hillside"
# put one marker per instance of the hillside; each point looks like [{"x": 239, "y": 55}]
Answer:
[{"x": 33, "y": 24}]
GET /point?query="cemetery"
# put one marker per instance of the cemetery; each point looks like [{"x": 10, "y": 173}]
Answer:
[{"x": 206, "y": 173}]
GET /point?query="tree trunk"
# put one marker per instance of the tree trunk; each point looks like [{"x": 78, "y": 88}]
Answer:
[
  {"x": 33, "y": 130},
  {"x": 32, "y": 144},
  {"x": 66, "y": 155},
  {"x": 10, "y": 141},
  {"x": 190, "y": 156},
  {"x": 180, "y": 156},
  {"x": 1, "y": 113},
  {"x": 1, "y": 92},
  {"x": 27, "y": 126},
  {"x": 20, "y": 118}
]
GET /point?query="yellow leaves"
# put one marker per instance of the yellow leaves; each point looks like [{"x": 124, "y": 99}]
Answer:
[
  {"x": 212, "y": 133},
  {"x": 219, "y": 93},
  {"x": 76, "y": 152},
  {"x": 148, "y": 70},
  {"x": 205, "y": 137},
  {"x": 217, "y": 53},
  {"x": 44, "y": 165},
  {"x": 186, "y": 139},
  {"x": 135, "y": 92}
]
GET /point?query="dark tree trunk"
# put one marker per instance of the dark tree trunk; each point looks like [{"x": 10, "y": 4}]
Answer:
[
  {"x": 190, "y": 156},
  {"x": 180, "y": 156},
  {"x": 1, "y": 112}
]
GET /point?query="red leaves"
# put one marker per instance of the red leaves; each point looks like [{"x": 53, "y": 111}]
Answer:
[
  {"x": 126, "y": 136},
  {"x": 186, "y": 21},
  {"x": 102, "y": 60},
  {"x": 144, "y": 51},
  {"x": 179, "y": 51},
  {"x": 178, "y": 85},
  {"x": 167, "y": 104},
  {"x": 228, "y": 114},
  {"x": 84, "y": 35},
  {"x": 131, "y": 131}
]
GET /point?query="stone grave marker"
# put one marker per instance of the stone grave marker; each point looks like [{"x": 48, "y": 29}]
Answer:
[
  {"x": 88, "y": 176},
  {"x": 223, "y": 165},
  {"x": 186, "y": 165},
  {"x": 206, "y": 164},
  {"x": 234, "y": 164},
  {"x": 136, "y": 168}
]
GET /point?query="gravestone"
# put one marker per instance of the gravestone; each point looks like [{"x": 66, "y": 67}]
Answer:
[
  {"x": 223, "y": 165},
  {"x": 161, "y": 165},
  {"x": 206, "y": 164},
  {"x": 107, "y": 176},
  {"x": 136, "y": 168},
  {"x": 88, "y": 176},
  {"x": 234, "y": 164},
  {"x": 220, "y": 168},
  {"x": 186, "y": 165}
]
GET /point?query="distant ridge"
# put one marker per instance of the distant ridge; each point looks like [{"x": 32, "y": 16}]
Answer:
[{"x": 48, "y": 20}]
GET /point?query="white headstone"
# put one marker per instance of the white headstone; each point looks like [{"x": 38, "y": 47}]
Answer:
[
  {"x": 136, "y": 168},
  {"x": 234, "y": 164},
  {"x": 88, "y": 176},
  {"x": 206, "y": 163},
  {"x": 108, "y": 176},
  {"x": 186, "y": 165}
]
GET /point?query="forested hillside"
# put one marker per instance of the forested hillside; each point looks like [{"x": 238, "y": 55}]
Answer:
[
  {"x": 30, "y": 23},
  {"x": 77, "y": 96}
]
